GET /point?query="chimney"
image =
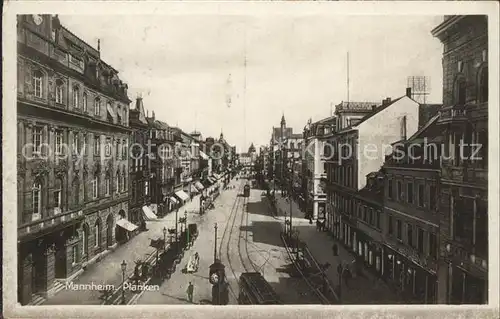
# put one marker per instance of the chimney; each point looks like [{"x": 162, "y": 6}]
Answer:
[
  {"x": 374, "y": 107},
  {"x": 153, "y": 115},
  {"x": 408, "y": 92}
]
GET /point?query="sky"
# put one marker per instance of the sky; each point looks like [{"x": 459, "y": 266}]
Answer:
[{"x": 296, "y": 66}]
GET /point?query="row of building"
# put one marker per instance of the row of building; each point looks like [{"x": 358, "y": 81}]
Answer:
[
  {"x": 91, "y": 167},
  {"x": 403, "y": 185}
]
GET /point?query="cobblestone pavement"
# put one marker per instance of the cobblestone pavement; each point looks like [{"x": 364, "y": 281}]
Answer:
[
  {"x": 108, "y": 270},
  {"x": 367, "y": 289}
]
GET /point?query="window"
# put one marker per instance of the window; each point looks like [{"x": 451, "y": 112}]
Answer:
[
  {"x": 483, "y": 85},
  {"x": 97, "y": 145},
  {"x": 432, "y": 197},
  {"x": 400, "y": 191},
  {"x": 59, "y": 142},
  {"x": 76, "y": 191},
  {"x": 37, "y": 83},
  {"x": 97, "y": 231},
  {"x": 118, "y": 149},
  {"x": 409, "y": 233},
  {"x": 389, "y": 191},
  {"x": 398, "y": 229},
  {"x": 59, "y": 91},
  {"x": 379, "y": 214},
  {"x": 117, "y": 182},
  {"x": 37, "y": 140},
  {"x": 481, "y": 231},
  {"x": 123, "y": 182},
  {"x": 410, "y": 192},
  {"x": 76, "y": 96},
  {"x": 107, "y": 184},
  {"x": 74, "y": 254},
  {"x": 146, "y": 187},
  {"x": 432, "y": 245},
  {"x": 97, "y": 106},
  {"x": 37, "y": 200},
  {"x": 110, "y": 116},
  {"x": 57, "y": 193},
  {"x": 372, "y": 216},
  {"x": 95, "y": 186},
  {"x": 76, "y": 142},
  {"x": 124, "y": 149},
  {"x": 420, "y": 240},
  {"x": 108, "y": 146},
  {"x": 482, "y": 155},
  {"x": 460, "y": 91},
  {"x": 134, "y": 190},
  {"x": 463, "y": 219},
  {"x": 421, "y": 193},
  {"x": 85, "y": 107}
]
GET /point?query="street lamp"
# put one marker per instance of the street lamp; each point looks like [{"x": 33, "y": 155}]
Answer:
[
  {"x": 124, "y": 268},
  {"x": 215, "y": 245},
  {"x": 164, "y": 238}
]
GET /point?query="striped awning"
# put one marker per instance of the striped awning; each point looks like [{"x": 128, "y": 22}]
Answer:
[
  {"x": 148, "y": 213},
  {"x": 199, "y": 186},
  {"x": 182, "y": 195}
]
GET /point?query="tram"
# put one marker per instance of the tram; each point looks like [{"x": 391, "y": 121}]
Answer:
[
  {"x": 255, "y": 290},
  {"x": 246, "y": 190}
]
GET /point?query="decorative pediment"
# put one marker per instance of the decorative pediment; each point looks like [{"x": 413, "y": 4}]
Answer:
[{"x": 40, "y": 168}]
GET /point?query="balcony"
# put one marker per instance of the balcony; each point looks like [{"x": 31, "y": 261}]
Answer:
[
  {"x": 38, "y": 225},
  {"x": 455, "y": 113},
  {"x": 464, "y": 173}
]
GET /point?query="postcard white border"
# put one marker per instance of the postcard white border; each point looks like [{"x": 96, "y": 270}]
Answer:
[{"x": 289, "y": 8}]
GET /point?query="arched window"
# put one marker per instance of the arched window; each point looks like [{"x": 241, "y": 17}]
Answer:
[
  {"x": 95, "y": 186},
  {"x": 97, "y": 106},
  {"x": 85, "y": 102},
  {"x": 58, "y": 193},
  {"x": 37, "y": 82},
  {"x": 97, "y": 231},
  {"x": 76, "y": 96},
  {"x": 460, "y": 91},
  {"x": 85, "y": 240},
  {"x": 59, "y": 91},
  {"x": 109, "y": 109},
  {"x": 37, "y": 200},
  {"x": 483, "y": 85},
  {"x": 107, "y": 184}
]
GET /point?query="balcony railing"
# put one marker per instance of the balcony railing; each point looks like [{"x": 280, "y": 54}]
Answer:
[{"x": 453, "y": 113}]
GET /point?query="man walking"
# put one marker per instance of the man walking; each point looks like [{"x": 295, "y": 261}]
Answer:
[{"x": 190, "y": 291}]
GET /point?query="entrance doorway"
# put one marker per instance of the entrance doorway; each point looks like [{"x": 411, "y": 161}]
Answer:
[
  {"x": 60, "y": 262},
  {"x": 109, "y": 230}
]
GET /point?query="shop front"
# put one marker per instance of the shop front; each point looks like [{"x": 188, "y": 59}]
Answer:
[
  {"x": 369, "y": 252},
  {"x": 416, "y": 283}
]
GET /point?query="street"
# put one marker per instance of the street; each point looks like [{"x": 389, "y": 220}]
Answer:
[{"x": 245, "y": 243}]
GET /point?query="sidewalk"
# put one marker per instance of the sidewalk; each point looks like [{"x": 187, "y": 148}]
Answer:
[
  {"x": 108, "y": 270},
  {"x": 367, "y": 289}
]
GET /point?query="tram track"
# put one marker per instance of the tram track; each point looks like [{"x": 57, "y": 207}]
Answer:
[{"x": 230, "y": 226}]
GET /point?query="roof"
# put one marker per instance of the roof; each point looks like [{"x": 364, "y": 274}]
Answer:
[
  {"x": 160, "y": 125},
  {"x": 374, "y": 192},
  {"x": 425, "y": 129},
  {"x": 426, "y": 112},
  {"x": 355, "y": 106},
  {"x": 377, "y": 110}
]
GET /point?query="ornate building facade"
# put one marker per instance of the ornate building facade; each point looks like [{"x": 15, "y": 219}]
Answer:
[
  {"x": 463, "y": 193},
  {"x": 72, "y": 162}
]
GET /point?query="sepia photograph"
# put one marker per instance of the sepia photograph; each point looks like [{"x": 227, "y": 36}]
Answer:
[{"x": 246, "y": 159}]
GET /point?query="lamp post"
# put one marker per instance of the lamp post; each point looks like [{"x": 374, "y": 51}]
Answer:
[
  {"x": 164, "y": 238},
  {"x": 124, "y": 268},
  {"x": 215, "y": 245}
]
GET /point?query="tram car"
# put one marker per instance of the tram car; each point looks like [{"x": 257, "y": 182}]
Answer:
[
  {"x": 255, "y": 290},
  {"x": 246, "y": 190}
]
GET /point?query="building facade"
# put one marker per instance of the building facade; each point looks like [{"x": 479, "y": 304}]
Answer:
[
  {"x": 463, "y": 195},
  {"x": 359, "y": 150},
  {"x": 72, "y": 121}
]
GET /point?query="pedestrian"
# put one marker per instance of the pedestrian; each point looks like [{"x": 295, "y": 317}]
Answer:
[{"x": 190, "y": 291}]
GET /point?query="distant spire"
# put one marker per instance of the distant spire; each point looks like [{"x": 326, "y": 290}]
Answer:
[{"x": 283, "y": 122}]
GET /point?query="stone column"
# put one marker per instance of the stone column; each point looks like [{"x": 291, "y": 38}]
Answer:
[
  {"x": 50, "y": 268},
  {"x": 25, "y": 282}
]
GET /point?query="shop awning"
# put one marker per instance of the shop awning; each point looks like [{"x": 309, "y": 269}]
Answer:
[
  {"x": 174, "y": 200},
  {"x": 204, "y": 156},
  {"x": 199, "y": 186},
  {"x": 125, "y": 224},
  {"x": 194, "y": 189},
  {"x": 148, "y": 213},
  {"x": 182, "y": 195}
]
